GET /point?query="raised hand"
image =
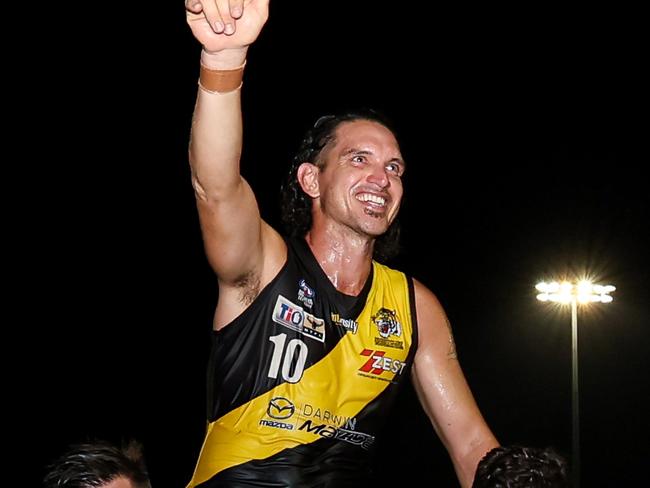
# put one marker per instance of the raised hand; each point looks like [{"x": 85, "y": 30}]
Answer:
[{"x": 226, "y": 24}]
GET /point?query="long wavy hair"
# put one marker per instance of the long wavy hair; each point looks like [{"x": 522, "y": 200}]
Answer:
[{"x": 296, "y": 204}]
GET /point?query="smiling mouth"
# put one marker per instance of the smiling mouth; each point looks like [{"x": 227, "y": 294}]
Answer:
[{"x": 372, "y": 200}]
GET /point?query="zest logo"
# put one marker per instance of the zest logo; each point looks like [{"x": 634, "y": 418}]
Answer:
[{"x": 378, "y": 362}]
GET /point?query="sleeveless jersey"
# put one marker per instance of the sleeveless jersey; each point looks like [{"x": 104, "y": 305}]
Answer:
[{"x": 302, "y": 381}]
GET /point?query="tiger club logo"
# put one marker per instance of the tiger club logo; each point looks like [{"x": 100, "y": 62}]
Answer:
[{"x": 388, "y": 327}]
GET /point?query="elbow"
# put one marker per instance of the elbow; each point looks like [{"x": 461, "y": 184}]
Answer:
[
  {"x": 215, "y": 190},
  {"x": 199, "y": 189},
  {"x": 214, "y": 180}
]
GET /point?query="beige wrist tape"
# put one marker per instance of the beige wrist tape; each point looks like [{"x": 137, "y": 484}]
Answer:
[{"x": 222, "y": 80}]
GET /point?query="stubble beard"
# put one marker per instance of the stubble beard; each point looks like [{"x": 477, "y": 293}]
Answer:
[
  {"x": 372, "y": 213},
  {"x": 374, "y": 233}
]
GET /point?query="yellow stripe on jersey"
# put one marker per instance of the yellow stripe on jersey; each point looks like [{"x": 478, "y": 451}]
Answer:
[{"x": 327, "y": 398}]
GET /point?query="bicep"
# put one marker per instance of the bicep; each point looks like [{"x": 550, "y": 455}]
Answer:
[{"x": 437, "y": 375}]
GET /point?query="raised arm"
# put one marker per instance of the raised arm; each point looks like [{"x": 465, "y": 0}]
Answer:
[
  {"x": 443, "y": 391},
  {"x": 242, "y": 249}
]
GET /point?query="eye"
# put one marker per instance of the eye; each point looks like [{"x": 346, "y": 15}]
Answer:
[
  {"x": 358, "y": 159},
  {"x": 394, "y": 168}
]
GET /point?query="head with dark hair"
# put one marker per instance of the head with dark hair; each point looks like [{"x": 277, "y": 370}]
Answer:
[
  {"x": 297, "y": 205},
  {"x": 521, "y": 467},
  {"x": 99, "y": 465}
]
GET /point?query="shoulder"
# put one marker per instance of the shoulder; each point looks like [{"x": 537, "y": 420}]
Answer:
[
  {"x": 395, "y": 274},
  {"x": 433, "y": 326},
  {"x": 425, "y": 299}
]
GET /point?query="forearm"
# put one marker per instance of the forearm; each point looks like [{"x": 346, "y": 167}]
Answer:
[
  {"x": 465, "y": 464},
  {"x": 216, "y": 140},
  {"x": 450, "y": 406}
]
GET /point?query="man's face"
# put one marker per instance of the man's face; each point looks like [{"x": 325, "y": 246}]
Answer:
[{"x": 360, "y": 182}]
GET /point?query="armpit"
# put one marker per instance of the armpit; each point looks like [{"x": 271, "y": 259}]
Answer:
[{"x": 249, "y": 287}]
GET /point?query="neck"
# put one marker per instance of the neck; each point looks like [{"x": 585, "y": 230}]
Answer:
[{"x": 345, "y": 259}]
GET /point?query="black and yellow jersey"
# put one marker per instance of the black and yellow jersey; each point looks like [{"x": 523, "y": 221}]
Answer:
[{"x": 302, "y": 381}]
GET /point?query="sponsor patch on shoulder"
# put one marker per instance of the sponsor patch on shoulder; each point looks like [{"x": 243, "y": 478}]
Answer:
[{"x": 295, "y": 318}]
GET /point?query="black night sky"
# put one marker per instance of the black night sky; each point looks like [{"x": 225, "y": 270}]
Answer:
[{"x": 525, "y": 134}]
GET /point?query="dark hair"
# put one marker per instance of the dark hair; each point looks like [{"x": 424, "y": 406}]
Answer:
[
  {"x": 521, "y": 467},
  {"x": 94, "y": 464},
  {"x": 296, "y": 204}
]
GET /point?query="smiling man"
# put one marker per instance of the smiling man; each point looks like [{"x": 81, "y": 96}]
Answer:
[{"x": 312, "y": 336}]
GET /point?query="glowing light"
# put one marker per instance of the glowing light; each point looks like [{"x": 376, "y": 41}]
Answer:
[{"x": 583, "y": 292}]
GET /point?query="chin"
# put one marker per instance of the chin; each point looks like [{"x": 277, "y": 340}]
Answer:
[{"x": 376, "y": 230}]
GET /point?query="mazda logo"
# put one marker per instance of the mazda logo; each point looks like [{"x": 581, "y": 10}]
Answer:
[{"x": 280, "y": 408}]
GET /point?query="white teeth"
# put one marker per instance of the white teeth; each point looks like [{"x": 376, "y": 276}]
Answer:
[{"x": 367, "y": 197}]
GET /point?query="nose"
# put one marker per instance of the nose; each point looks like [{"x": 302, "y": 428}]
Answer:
[{"x": 378, "y": 176}]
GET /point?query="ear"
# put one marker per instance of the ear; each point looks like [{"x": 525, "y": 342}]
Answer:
[{"x": 308, "y": 179}]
